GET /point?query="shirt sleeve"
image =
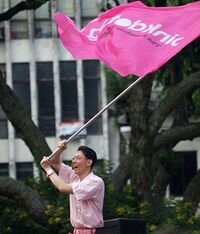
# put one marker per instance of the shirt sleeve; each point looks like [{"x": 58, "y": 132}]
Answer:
[
  {"x": 88, "y": 189},
  {"x": 66, "y": 173}
]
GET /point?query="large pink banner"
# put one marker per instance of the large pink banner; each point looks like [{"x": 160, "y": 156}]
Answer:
[{"x": 132, "y": 38}]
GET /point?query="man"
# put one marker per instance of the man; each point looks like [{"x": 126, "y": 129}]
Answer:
[{"x": 86, "y": 189}]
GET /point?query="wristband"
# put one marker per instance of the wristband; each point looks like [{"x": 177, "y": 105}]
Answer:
[{"x": 49, "y": 173}]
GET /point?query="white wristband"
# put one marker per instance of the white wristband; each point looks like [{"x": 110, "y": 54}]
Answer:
[{"x": 50, "y": 172}]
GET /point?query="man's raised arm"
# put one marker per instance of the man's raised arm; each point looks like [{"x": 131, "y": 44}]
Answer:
[{"x": 55, "y": 160}]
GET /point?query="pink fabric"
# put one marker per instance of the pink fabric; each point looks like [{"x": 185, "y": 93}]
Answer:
[
  {"x": 86, "y": 202},
  {"x": 84, "y": 231},
  {"x": 132, "y": 38}
]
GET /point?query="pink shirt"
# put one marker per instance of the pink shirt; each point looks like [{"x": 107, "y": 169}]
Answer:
[{"x": 86, "y": 202}]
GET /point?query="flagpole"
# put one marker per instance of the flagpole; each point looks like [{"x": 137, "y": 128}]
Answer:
[{"x": 97, "y": 115}]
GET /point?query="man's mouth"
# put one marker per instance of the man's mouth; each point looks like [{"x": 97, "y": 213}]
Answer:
[{"x": 74, "y": 167}]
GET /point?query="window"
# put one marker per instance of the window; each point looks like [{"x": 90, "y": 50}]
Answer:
[
  {"x": 184, "y": 173},
  {"x": 46, "y": 98},
  {"x": 69, "y": 100},
  {"x": 1, "y": 6},
  {"x": 43, "y": 28},
  {"x": 24, "y": 170},
  {"x": 3, "y": 70},
  {"x": 1, "y": 23},
  {"x": 3, "y": 118},
  {"x": 67, "y": 7},
  {"x": 4, "y": 169},
  {"x": 21, "y": 84},
  {"x": 2, "y": 34},
  {"x": 91, "y": 72},
  {"x": 19, "y": 29},
  {"x": 19, "y": 23},
  {"x": 89, "y": 8},
  {"x": 3, "y": 125}
]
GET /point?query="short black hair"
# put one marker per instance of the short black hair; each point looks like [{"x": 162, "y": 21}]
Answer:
[{"x": 89, "y": 153}]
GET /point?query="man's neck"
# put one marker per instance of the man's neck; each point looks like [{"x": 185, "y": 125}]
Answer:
[{"x": 82, "y": 176}]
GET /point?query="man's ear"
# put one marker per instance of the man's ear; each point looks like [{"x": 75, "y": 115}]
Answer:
[{"x": 89, "y": 162}]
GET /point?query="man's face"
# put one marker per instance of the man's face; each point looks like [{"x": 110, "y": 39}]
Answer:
[{"x": 80, "y": 163}]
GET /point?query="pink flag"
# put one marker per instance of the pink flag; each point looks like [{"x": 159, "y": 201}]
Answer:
[{"x": 132, "y": 38}]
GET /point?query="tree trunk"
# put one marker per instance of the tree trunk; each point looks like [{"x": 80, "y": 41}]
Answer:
[
  {"x": 30, "y": 134},
  {"x": 192, "y": 192},
  {"x": 25, "y": 196},
  {"x": 21, "y": 121},
  {"x": 158, "y": 188},
  {"x": 149, "y": 182},
  {"x": 21, "y": 6},
  {"x": 122, "y": 173}
]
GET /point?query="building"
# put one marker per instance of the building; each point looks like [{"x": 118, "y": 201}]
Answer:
[{"x": 53, "y": 87}]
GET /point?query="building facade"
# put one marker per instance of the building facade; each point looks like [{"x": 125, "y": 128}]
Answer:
[{"x": 50, "y": 84}]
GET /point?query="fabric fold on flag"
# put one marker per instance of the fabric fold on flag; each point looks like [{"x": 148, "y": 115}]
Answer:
[{"x": 132, "y": 38}]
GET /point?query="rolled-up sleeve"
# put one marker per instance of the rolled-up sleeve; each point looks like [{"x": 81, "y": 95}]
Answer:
[
  {"x": 88, "y": 189},
  {"x": 66, "y": 173}
]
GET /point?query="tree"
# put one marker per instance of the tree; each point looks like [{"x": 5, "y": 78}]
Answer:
[
  {"x": 26, "y": 130},
  {"x": 143, "y": 165},
  {"x": 146, "y": 163},
  {"x": 21, "y": 6}
]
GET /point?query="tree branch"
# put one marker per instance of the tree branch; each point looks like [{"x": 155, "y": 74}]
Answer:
[
  {"x": 24, "y": 126},
  {"x": 12, "y": 11},
  {"x": 116, "y": 2},
  {"x": 140, "y": 113},
  {"x": 25, "y": 196},
  {"x": 171, "y": 101},
  {"x": 192, "y": 192},
  {"x": 21, "y": 6},
  {"x": 176, "y": 134},
  {"x": 122, "y": 173}
]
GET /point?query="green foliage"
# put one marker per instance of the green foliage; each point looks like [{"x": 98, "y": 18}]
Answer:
[
  {"x": 14, "y": 220},
  {"x": 175, "y": 214},
  {"x": 196, "y": 101},
  {"x": 178, "y": 2},
  {"x": 180, "y": 214},
  {"x": 119, "y": 205},
  {"x": 115, "y": 85},
  {"x": 170, "y": 160}
]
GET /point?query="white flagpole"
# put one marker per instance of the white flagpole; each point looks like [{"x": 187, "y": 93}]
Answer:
[{"x": 98, "y": 114}]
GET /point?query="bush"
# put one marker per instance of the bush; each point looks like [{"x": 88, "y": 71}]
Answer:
[
  {"x": 175, "y": 214},
  {"x": 14, "y": 220}
]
